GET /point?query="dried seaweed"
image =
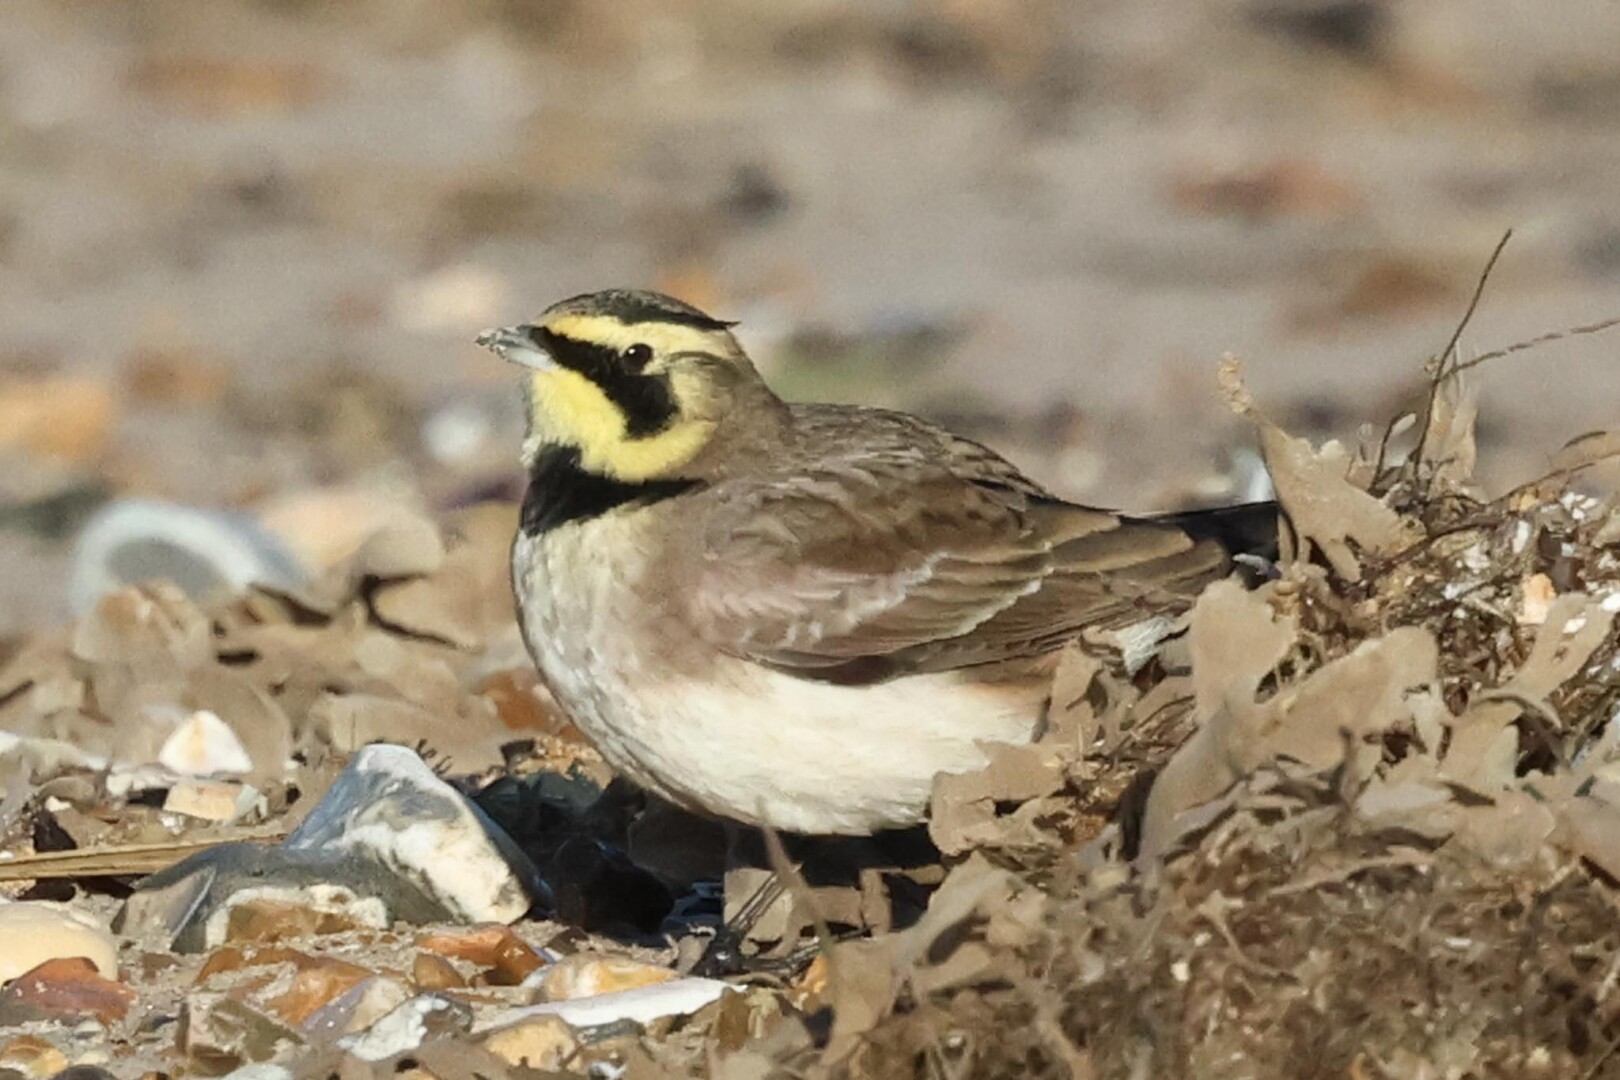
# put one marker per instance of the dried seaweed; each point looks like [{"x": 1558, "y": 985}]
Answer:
[{"x": 1381, "y": 836}]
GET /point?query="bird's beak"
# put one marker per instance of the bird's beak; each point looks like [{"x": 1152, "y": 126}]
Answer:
[{"x": 516, "y": 344}]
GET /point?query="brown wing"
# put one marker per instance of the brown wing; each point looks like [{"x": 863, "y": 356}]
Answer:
[{"x": 899, "y": 557}]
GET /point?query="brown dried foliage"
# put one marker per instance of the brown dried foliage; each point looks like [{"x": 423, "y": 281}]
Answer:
[{"x": 1384, "y": 834}]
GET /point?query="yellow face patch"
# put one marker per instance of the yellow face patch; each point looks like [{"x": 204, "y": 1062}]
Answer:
[
  {"x": 570, "y": 410},
  {"x": 665, "y": 339}
]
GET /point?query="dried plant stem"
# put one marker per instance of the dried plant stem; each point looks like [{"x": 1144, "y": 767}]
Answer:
[
  {"x": 1443, "y": 366},
  {"x": 1542, "y": 339},
  {"x": 1439, "y": 374}
]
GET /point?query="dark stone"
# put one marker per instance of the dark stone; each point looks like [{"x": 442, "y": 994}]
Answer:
[{"x": 172, "y": 908}]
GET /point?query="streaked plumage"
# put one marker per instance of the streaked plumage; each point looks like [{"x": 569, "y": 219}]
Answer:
[{"x": 794, "y": 615}]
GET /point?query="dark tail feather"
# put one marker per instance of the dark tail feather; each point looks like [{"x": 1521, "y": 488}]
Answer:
[{"x": 1249, "y": 529}]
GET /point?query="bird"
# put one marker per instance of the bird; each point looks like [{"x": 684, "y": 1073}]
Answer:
[{"x": 798, "y": 615}]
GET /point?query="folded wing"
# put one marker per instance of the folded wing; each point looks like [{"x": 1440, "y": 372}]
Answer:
[{"x": 894, "y": 559}]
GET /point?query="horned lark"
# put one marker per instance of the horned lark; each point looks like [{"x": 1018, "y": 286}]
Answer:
[{"x": 796, "y": 615}]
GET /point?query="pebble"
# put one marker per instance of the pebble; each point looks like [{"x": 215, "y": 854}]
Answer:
[
  {"x": 63, "y": 990},
  {"x": 220, "y": 1032},
  {"x": 32, "y": 1056},
  {"x": 320, "y": 982},
  {"x": 388, "y": 841},
  {"x": 430, "y": 972},
  {"x": 260, "y": 1070},
  {"x": 677, "y": 997},
  {"x": 214, "y": 800},
  {"x": 356, "y": 1009},
  {"x": 401, "y": 549},
  {"x": 583, "y": 976},
  {"x": 449, "y": 300},
  {"x": 408, "y": 1026},
  {"x": 507, "y": 958},
  {"x": 32, "y": 932},
  {"x": 542, "y": 1043},
  {"x": 204, "y": 745},
  {"x": 389, "y": 806},
  {"x": 306, "y": 913},
  {"x": 68, "y": 417},
  {"x": 1537, "y": 601},
  {"x": 324, "y": 526},
  {"x": 86, "y": 1072}
]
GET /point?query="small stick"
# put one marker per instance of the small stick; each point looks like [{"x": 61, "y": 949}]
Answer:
[
  {"x": 1543, "y": 339},
  {"x": 1440, "y": 372}
]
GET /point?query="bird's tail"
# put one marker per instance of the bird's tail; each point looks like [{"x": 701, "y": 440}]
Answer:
[{"x": 1247, "y": 529}]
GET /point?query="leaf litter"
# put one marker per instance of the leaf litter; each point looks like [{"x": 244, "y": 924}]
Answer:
[{"x": 1361, "y": 820}]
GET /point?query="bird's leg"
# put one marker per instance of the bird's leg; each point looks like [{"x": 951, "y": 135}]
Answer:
[{"x": 724, "y": 954}]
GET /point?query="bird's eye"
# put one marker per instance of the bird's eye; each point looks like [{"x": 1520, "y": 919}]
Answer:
[{"x": 637, "y": 356}]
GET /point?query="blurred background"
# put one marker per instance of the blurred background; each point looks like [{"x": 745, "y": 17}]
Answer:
[{"x": 245, "y": 244}]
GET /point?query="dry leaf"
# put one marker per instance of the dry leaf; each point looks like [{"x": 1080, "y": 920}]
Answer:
[
  {"x": 1236, "y": 641},
  {"x": 1483, "y": 749},
  {"x": 1449, "y": 448},
  {"x": 400, "y": 549},
  {"x": 962, "y": 808},
  {"x": 1070, "y": 716},
  {"x": 1353, "y": 696},
  {"x": 861, "y": 988},
  {"x": 1323, "y": 506}
]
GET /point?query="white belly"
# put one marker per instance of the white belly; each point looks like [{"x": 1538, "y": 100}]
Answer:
[{"x": 720, "y": 734}]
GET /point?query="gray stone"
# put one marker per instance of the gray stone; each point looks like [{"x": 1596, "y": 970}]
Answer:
[
  {"x": 388, "y": 806},
  {"x": 424, "y": 1017},
  {"x": 185, "y": 906},
  {"x": 219, "y": 1033}
]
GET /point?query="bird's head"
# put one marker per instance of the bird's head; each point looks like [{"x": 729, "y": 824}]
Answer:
[{"x": 637, "y": 383}]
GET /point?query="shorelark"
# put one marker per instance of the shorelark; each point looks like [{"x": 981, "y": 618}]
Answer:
[{"x": 798, "y": 615}]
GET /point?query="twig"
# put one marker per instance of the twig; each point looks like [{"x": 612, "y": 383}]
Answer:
[
  {"x": 1608, "y": 1052},
  {"x": 1441, "y": 372},
  {"x": 1609, "y": 980},
  {"x": 1077, "y": 1063},
  {"x": 1397, "y": 857},
  {"x": 1473, "y": 303},
  {"x": 1556, "y": 476},
  {"x": 1213, "y": 911},
  {"x": 1383, "y": 445},
  {"x": 116, "y": 860},
  {"x": 1543, "y": 339}
]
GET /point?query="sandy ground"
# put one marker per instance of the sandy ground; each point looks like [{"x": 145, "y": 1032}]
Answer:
[
  {"x": 244, "y": 247},
  {"x": 268, "y": 230}
]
